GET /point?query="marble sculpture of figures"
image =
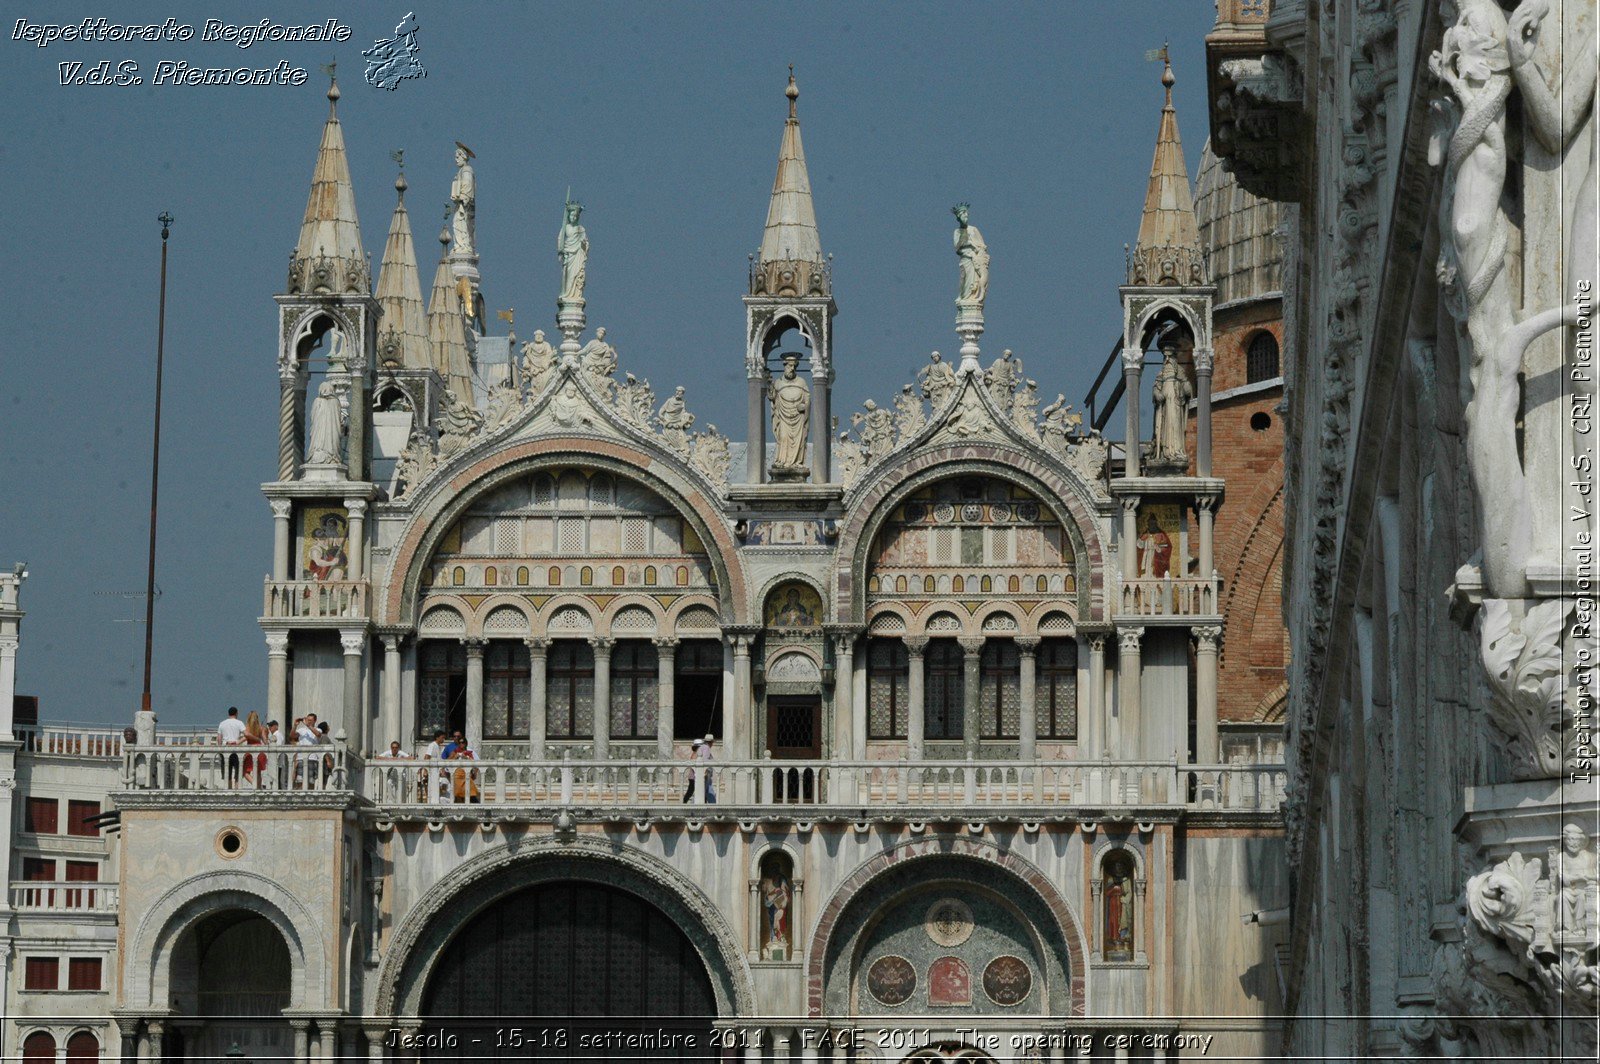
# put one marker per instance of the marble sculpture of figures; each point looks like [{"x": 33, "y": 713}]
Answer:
[
  {"x": 876, "y": 427},
  {"x": 974, "y": 256},
  {"x": 457, "y": 421},
  {"x": 1058, "y": 418},
  {"x": 572, "y": 245},
  {"x": 1171, "y": 401},
  {"x": 1003, "y": 377},
  {"x": 599, "y": 361},
  {"x": 1025, "y": 407},
  {"x": 464, "y": 203},
  {"x": 1574, "y": 881},
  {"x": 675, "y": 421},
  {"x": 790, "y": 396},
  {"x": 325, "y": 444},
  {"x": 538, "y": 360},
  {"x": 938, "y": 381}
]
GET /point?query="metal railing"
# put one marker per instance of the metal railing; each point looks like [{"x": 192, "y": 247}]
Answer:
[
  {"x": 1168, "y": 596},
  {"x": 314, "y": 599},
  {"x": 73, "y": 897},
  {"x": 239, "y": 768}
]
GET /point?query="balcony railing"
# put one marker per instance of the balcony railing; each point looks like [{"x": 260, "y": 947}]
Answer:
[
  {"x": 238, "y": 768},
  {"x": 315, "y": 599},
  {"x": 75, "y": 740},
  {"x": 1167, "y": 596},
  {"x": 42, "y": 897}
]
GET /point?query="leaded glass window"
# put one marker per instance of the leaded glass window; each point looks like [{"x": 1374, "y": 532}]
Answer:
[
  {"x": 569, "y": 690},
  {"x": 1056, "y": 697},
  {"x": 634, "y": 697},
  {"x": 507, "y": 708},
  {"x": 888, "y": 689},
  {"x": 1001, "y": 698},
  {"x": 943, "y": 709},
  {"x": 441, "y": 684}
]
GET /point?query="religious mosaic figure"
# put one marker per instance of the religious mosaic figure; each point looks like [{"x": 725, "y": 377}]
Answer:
[
  {"x": 790, "y": 396},
  {"x": 572, "y": 245},
  {"x": 464, "y": 203},
  {"x": 1155, "y": 549},
  {"x": 1171, "y": 401},
  {"x": 776, "y": 895},
  {"x": 599, "y": 361},
  {"x": 458, "y": 420},
  {"x": 326, "y": 441},
  {"x": 675, "y": 421},
  {"x": 538, "y": 360},
  {"x": 1117, "y": 935},
  {"x": 973, "y": 254},
  {"x": 326, "y": 558},
  {"x": 1574, "y": 882},
  {"x": 949, "y": 982},
  {"x": 938, "y": 381}
]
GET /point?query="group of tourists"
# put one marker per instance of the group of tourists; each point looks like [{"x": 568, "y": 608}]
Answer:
[{"x": 250, "y": 767}]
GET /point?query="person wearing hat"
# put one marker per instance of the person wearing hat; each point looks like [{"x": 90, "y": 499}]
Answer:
[
  {"x": 694, "y": 757},
  {"x": 703, "y": 753}
]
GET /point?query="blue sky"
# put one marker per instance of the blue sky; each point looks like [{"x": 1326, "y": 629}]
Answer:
[{"x": 664, "y": 119}]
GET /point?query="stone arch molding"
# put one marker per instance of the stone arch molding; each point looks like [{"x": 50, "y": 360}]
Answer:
[
  {"x": 419, "y": 941},
  {"x": 1198, "y": 328},
  {"x": 175, "y": 912},
  {"x": 1017, "y": 874}
]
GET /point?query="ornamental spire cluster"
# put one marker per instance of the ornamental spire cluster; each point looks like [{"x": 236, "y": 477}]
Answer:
[{"x": 1167, "y": 252}]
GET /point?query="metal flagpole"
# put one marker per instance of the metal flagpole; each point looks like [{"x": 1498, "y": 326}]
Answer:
[{"x": 155, "y": 469}]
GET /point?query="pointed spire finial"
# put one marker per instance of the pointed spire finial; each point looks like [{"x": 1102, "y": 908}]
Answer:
[
  {"x": 400, "y": 186},
  {"x": 793, "y": 92},
  {"x": 1167, "y": 251},
  {"x": 331, "y": 68},
  {"x": 1167, "y": 77}
]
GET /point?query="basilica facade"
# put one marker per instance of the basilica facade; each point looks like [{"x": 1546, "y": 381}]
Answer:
[{"x": 886, "y": 734}]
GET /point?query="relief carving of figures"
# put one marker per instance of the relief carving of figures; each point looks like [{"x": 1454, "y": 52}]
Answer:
[
  {"x": 464, "y": 204},
  {"x": 636, "y": 400},
  {"x": 908, "y": 416},
  {"x": 1025, "y": 409},
  {"x": 790, "y": 397},
  {"x": 675, "y": 422},
  {"x": 711, "y": 455},
  {"x": 538, "y": 362},
  {"x": 1171, "y": 402},
  {"x": 458, "y": 422},
  {"x": 572, "y": 246},
  {"x": 876, "y": 428},
  {"x": 325, "y": 445},
  {"x": 973, "y": 255},
  {"x": 938, "y": 382},
  {"x": 599, "y": 362},
  {"x": 969, "y": 418},
  {"x": 1002, "y": 378}
]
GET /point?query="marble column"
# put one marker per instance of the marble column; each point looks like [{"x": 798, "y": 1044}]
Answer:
[
  {"x": 278, "y": 677},
  {"x": 1092, "y": 709},
  {"x": 360, "y": 412},
  {"x": 390, "y": 711},
  {"x": 376, "y": 1037},
  {"x": 356, "y": 545},
  {"x": 1132, "y": 367},
  {"x": 1205, "y": 507},
  {"x": 1206, "y": 640},
  {"x": 1128, "y": 546},
  {"x": 475, "y": 649},
  {"x": 756, "y": 445},
  {"x": 1203, "y": 360},
  {"x": 821, "y": 436},
  {"x": 154, "y": 1030},
  {"x": 1028, "y": 689},
  {"x": 290, "y": 381},
  {"x": 738, "y": 721},
  {"x": 1130, "y": 743},
  {"x": 10, "y": 643},
  {"x": 971, "y": 692},
  {"x": 301, "y": 1030},
  {"x": 844, "y": 714},
  {"x": 602, "y": 696},
  {"x": 916, "y": 649},
  {"x": 353, "y": 717},
  {"x": 666, "y": 695},
  {"x": 281, "y": 539},
  {"x": 538, "y": 692}
]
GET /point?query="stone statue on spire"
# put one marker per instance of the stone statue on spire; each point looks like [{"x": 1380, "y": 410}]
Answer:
[
  {"x": 973, "y": 254},
  {"x": 572, "y": 245},
  {"x": 464, "y": 201}
]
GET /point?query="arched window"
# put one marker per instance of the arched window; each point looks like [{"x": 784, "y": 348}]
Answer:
[
  {"x": 82, "y": 1046},
  {"x": 39, "y": 1048},
  {"x": 570, "y": 690},
  {"x": 441, "y": 687},
  {"x": 888, "y": 689},
  {"x": 1261, "y": 358},
  {"x": 507, "y": 705},
  {"x": 777, "y": 901}
]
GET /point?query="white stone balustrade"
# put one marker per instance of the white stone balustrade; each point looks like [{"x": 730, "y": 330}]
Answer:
[
  {"x": 241, "y": 769},
  {"x": 303, "y": 600},
  {"x": 72, "y": 740},
  {"x": 1167, "y": 596},
  {"x": 75, "y": 897}
]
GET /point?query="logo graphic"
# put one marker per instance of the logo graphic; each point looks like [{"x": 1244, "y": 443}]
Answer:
[{"x": 392, "y": 61}]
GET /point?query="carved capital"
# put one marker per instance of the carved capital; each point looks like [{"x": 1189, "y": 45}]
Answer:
[
  {"x": 602, "y": 645},
  {"x": 971, "y": 645},
  {"x": 1204, "y": 359},
  {"x": 666, "y": 642},
  {"x": 1128, "y": 639},
  {"x": 1205, "y": 503},
  {"x": 1097, "y": 642},
  {"x": 391, "y": 643},
  {"x": 1027, "y": 645},
  {"x": 357, "y": 508},
  {"x": 475, "y": 647},
  {"x": 916, "y": 645},
  {"x": 1130, "y": 504},
  {"x": 352, "y": 642},
  {"x": 277, "y": 643},
  {"x": 281, "y": 509},
  {"x": 1207, "y": 637}
]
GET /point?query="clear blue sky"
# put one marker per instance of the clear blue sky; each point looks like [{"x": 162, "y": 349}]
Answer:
[{"x": 665, "y": 120}]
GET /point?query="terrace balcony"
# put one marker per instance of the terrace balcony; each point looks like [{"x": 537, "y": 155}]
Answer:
[
  {"x": 314, "y": 602},
  {"x": 65, "y": 897}
]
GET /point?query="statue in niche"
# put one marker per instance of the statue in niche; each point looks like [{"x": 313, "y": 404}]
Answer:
[
  {"x": 973, "y": 254},
  {"x": 568, "y": 406},
  {"x": 876, "y": 427},
  {"x": 538, "y": 361},
  {"x": 676, "y": 421},
  {"x": 464, "y": 203},
  {"x": 790, "y": 397},
  {"x": 908, "y": 414},
  {"x": 777, "y": 895},
  {"x": 1118, "y": 893},
  {"x": 326, "y": 442},
  {"x": 1171, "y": 400},
  {"x": 572, "y": 246},
  {"x": 968, "y": 418},
  {"x": 1574, "y": 882},
  {"x": 1002, "y": 378},
  {"x": 458, "y": 420},
  {"x": 938, "y": 381},
  {"x": 599, "y": 362}
]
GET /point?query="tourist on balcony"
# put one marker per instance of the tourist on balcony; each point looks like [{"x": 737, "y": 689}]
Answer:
[
  {"x": 276, "y": 737},
  {"x": 694, "y": 769},
  {"x": 464, "y": 781},
  {"x": 703, "y": 755},
  {"x": 441, "y": 789},
  {"x": 255, "y": 734},
  {"x": 305, "y": 734},
  {"x": 230, "y": 733}
]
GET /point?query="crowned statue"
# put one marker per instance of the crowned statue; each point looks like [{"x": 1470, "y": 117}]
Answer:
[
  {"x": 973, "y": 254},
  {"x": 572, "y": 245}
]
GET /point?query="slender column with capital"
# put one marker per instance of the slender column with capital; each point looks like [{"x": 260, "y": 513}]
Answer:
[
  {"x": 666, "y": 695},
  {"x": 756, "y": 445},
  {"x": 1130, "y": 743},
  {"x": 1092, "y": 713},
  {"x": 538, "y": 692},
  {"x": 1132, "y": 367},
  {"x": 356, "y": 436},
  {"x": 278, "y": 677},
  {"x": 739, "y": 723},
  {"x": 302, "y": 1040},
  {"x": 357, "y": 545},
  {"x": 844, "y": 726},
  {"x": 290, "y": 381},
  {"x": 1128, "y": 549},
  {"x": 602, "y": 696},
  {"x": 1028, "y": 684},
  {"x": 391, "y": 693},
  {"x": 281, "y": 509},
  {"x": 916, "y": 713},
  {"x": 475, "y": 648},
  {"x": 971, "y": 691},
  {"x": 1205, "y": 507},
  {"x": 155, "y": 1030},
  {"x": 820, "y": 423},
  {"x": 1203, "y": 360},
  {"x": 1206, "y": 638},
  {"x": 376, "y": 1036},
  {"x": 352, "y": 720}
]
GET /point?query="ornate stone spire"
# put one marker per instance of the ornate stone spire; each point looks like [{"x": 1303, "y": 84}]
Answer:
[
  {"x": 790, "y": 261},
  {"x": 447, "y": 329},
  {"x": 1168, "y": 249},
  {"x": 328, "y": 258},
  {"x": 403, "y": 342}
]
